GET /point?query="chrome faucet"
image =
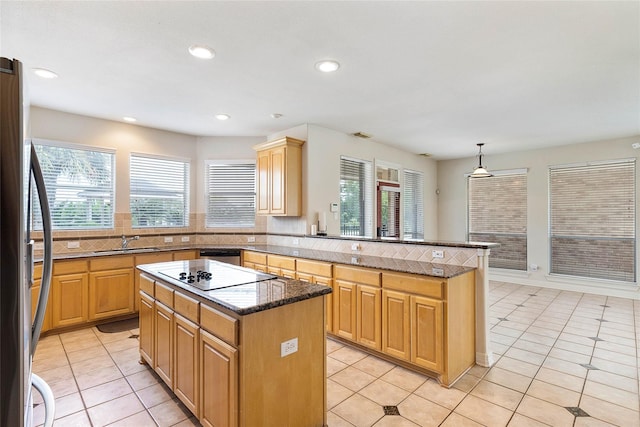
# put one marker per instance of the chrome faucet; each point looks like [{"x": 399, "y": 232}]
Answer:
[{"x": 125, "y": 241}]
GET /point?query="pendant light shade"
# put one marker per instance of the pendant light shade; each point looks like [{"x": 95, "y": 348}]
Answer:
[{"x": 480, "y": 171}]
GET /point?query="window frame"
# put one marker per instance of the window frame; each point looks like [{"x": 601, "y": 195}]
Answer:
[
  {"x": 419, "y": 216},
  {"x": 186, "y": 192},
  {"x": 366, "y": 202},
  {"x": 110, "y": 188},
  {"x": 208, "y": 164}
]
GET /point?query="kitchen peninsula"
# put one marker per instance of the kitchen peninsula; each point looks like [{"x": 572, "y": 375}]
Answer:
[{"x": 238, "y": 347}]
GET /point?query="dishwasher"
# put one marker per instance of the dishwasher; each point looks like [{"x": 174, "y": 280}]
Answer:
[{"x": 228, "y": 255}]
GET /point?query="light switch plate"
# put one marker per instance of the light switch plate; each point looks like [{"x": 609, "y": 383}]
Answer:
[
  {"x": 185, "y": 238},
  {"x": 73, "y": 245},
  {"x": 437, "y": 254},
  {"x": 168, "y": 239},
  {"x": 251, "y": 239}
]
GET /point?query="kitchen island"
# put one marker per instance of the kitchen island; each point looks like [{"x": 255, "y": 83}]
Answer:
[{"x": 236, "y": 346}]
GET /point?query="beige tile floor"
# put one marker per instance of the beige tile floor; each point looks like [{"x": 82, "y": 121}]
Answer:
[{"x": 554, "y": 349}]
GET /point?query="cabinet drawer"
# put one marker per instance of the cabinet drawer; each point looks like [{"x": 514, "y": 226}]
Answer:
[
  {"x": 223, "y": 326},
  {"x": 153, "y": 258},
  {"x": 110, "y": 263},
  {"x": 281, "y": 262},
  {"x": 164, "y": 294},
  {"x": 255, "y": 257},
  {"x": 147, "y": 285},
  {"x": 186, "y": 306},
  {"x": 70, "y": 267},
  {"x": 358, "y": 275},
  {"x": 415, "y": 284},
  {"x": 314, "y": 267}
]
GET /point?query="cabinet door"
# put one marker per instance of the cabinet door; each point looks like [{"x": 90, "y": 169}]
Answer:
[
  {"x": 110, "y": 293},
  {"x": 262, "y": 199},
  {"x": 69, "y": 299},
  {"x": 218, "y": 382},
  {"x": 344, "y": 310},
  {"x": 163, "y": 356},
  {"x": 185, "y": 255},
  {"x": 148, "y": 259},
  {"x": 427, "y": 333},
  {"x": 328, "y": 300},
  {"x": 368, "y": 310},
  {"x": 186, "y": 366},
  {"x": 396, "y": 335},
  {"x": 35, "y": 293},
  {"x": 147, "y": 332},
  {"x": 278, "y": 197}
]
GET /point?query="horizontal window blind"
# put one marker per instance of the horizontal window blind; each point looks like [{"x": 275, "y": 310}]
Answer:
[
  {"x": 498, "y": 214},
  {"x": 79, "y": 184},
  {"x": 413, "y": 204},
  {"x": 592, "y": 220},
  {"x": 356, "y": 197},
  {"x": 231, "y": 194},
  {"x": 159, "y": 192}
]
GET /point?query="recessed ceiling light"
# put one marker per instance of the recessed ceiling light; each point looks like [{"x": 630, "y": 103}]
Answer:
[
  {"x": 223, "y": 116},
  {"x": 45, "y": 74},
  {"x": 130, "y": 119},
  {"x": 276, "y": 115},
  {"x": 327, "y": 66},
  {"x": 200, "y": 51}
]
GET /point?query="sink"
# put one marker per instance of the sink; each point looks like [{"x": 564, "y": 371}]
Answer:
[{"x": 125, "y": 251}]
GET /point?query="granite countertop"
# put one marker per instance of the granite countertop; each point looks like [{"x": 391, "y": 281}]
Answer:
[
  {"x": 444, "y": 271},
  {"x": 241, "y": 299}
]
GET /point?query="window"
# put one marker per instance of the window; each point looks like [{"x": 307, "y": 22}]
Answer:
[
  {"x": 592, "y": 220},
  {"x": 356, "y": 200},
  {"x": 412, "y": 193},
  {"x": 498, "y": 214},
  {"x": 79, "y": 184},
  {"x": 159, "y": 195},
  {"x": 231, "y": 194}
]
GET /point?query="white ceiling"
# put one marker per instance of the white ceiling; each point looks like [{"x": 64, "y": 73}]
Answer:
[{"x": 429, "y": 77}]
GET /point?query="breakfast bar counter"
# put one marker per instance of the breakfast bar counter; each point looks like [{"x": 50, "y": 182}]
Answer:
[{"x": 236, "y": 346}]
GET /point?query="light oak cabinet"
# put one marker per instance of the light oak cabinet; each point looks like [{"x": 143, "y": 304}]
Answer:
[
  {"x": 427, "y": 333},
  {"x": 147, "y": 259},
  {"x": 69, "y": 293},
  {"x": 218, "y": 382},
  {"x": 281, "y": 266},
  {"x": 357, "y": 305},
  {"x": 255, "y": 260},
  {"x": 147, "y": 331},
  {"x": 396, "y": 324},
  {"x": 163, "y": 319},
  {"x": 111, "y": 290},
  {"x": 322, "y": 274},
  {"x": 279, "y": 177},
  {"x": 186, "y": 358},
  {"x": 35, "y": 294}
]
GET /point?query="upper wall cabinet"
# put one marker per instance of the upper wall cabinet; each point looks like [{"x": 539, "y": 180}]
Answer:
[{"x": 279, "y": 167}]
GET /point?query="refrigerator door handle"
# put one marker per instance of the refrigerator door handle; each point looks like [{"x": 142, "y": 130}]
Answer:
[{"x": 47, "y": 262}]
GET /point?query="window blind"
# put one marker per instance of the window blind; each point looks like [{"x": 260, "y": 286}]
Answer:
[
  {"x": 498, "y": 214},
  {"x": 79, "y": 184},
  {"x": 231, "y": 194},
  {"x": 592, "y": 220},
  {"x": 413, "y": 204},
  {"x": 356, "y": 197},
  {"x": 159, "y": 192}
]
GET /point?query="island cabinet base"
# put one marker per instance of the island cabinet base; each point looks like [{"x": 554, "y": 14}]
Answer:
[{"x": 228, "y": 368}]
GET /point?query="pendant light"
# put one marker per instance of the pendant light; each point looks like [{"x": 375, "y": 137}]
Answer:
[{"x": 480, "y": 171}]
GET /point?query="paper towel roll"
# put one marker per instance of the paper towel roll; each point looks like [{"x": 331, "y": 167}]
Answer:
[{"x": 322, "y": 221}]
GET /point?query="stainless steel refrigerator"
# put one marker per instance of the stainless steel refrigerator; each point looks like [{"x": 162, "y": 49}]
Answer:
[{"x": 20, "y": 182}]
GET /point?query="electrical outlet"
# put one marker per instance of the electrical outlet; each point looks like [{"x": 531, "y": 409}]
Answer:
[
  {"x": 185, "y": 238},
  {"x": 437, "y": 271},
  {"x": 355, "y": 247},
  {"x": 168, "y": 239},
  {"x": 251, "y": 239},
  {"x": 355, "y": 260},
  {"x": 289, "y": 347},
  {"x": 73, "y": 245},
  {"x": 437, "y": 254},
  {"x": 296, "y": 241}
]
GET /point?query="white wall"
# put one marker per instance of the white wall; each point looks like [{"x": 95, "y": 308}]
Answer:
[
  {"x": 452, "y": 203},
  {"x": 123, "y": 137},
  {"x": 321, "y": 176}
]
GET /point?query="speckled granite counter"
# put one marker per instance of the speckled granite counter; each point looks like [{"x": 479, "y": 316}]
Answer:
[
  {"x": 444, "y": 271},
  {"x": 242, "y": 299}
]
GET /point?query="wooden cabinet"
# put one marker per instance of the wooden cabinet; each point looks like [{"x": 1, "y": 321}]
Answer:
[
  {"x": 279, "y": 177},
  {"x": 357, "y": 305},
  {"x": 163, "y": 320},
  {"x": 322, "y": 274},
  {"x": 255, "y": 260},
  {"x": 35, "y": 294},
  {"x": 281, "y": 266},
  {"x": 111, "y": 287},
  {"x": 147, "y": 332},
  {"x": 147, "y": 259},
  {"x": 427, "y": 333},
  {"x": 186, "y": 375},
  {"x": 396, "y": 326},
  {"x": 219, "y": 382},
  {"x": 69, "y": 293},
  {"x": 185, "y": 255}
]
